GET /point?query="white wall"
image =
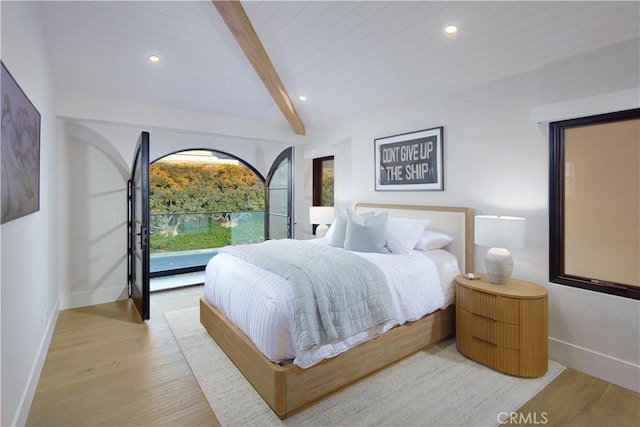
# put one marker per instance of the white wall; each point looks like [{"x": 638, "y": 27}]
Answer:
[
  {"x": 29, "y": 244},
  {"x": 95, "y": 267},
  {"x": 496, "y": 161},
  {"x": 128, "y": 112}
]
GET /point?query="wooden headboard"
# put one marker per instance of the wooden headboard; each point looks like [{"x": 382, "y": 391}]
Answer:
[{"x": 454, "y": 221}]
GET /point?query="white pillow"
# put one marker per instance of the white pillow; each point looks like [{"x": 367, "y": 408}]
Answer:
[
  {"x": 431, "y": 240},
  {"x": 366, "y": 233},
  {"x": 404, "y": 233},
  {"x": 337, "y": 229},
  {"x": 332, "y": 227}
]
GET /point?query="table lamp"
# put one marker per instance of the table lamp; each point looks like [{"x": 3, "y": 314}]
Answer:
[
  {"x": 499, "y": 232},
  {"x": 321, "y": 215}
]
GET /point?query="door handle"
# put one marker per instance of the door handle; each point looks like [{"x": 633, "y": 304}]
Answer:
[{"x": 143, "y": 237}]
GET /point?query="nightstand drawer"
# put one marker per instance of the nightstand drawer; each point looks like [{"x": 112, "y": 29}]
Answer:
[
  {"x": 488, "y": 305},
  {"x": 490, "y": 330},
  {"x": 503, "y": 359}
]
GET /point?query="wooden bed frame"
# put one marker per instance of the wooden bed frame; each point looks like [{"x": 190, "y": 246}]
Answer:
[{"x": 289, "y": 389}]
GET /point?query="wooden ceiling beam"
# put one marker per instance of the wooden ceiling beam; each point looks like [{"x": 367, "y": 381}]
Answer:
[{"x": 236, "y": 19}]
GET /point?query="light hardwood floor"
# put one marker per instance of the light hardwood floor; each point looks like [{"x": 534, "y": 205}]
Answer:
[
  {"x": 577, "y": 399},
  {"x": 105, "y": 367}
]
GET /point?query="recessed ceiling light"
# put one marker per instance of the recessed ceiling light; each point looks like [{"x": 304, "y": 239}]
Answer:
[
  {"x": 450, "y": 30},
  {"x": 154, "y": 58},
  {"x": 302, "y": 98}
]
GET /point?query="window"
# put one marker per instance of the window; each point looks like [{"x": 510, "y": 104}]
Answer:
[
  {"x": 322, "y": 183},
  {"x": 594, "y": 203}
]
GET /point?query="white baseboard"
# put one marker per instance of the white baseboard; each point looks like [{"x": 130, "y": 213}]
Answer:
[
  {"x": 599, "y": 365},
  {"x": 24, "y": 405},
  {"x": 92, "y": 297}
]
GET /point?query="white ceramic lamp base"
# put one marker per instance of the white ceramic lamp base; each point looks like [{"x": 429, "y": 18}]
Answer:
[
  {"x": 321, "y": 230},
  {"x": 499, "y": 263}
]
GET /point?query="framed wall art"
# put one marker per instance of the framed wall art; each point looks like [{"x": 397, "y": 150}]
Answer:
[
  {"x": 410, "y": 161},
  {"x": 19, "y": 151}
]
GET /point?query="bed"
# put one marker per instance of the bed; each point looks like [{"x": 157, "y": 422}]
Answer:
[{"x": 289, "y": 388}]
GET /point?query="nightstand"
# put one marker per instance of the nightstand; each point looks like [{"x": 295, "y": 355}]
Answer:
[{"x": 503, "y": 326}]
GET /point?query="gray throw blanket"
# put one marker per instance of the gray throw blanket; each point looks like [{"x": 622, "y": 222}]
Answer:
[{"x": 336, "y": 293}]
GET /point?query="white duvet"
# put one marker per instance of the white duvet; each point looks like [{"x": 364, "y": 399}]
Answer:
[{"x": 260, "y": 302}]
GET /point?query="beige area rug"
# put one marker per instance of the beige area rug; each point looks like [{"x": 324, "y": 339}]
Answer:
[{"x": 435, "y": 387}]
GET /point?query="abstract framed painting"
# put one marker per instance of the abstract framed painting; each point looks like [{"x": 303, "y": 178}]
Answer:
[{"x": 19, "y": 151}]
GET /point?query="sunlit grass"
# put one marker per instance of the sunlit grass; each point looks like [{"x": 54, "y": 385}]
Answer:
[{"x": 249, "y": 230}]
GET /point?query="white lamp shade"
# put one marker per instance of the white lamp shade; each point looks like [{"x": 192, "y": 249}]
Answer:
[
  {"x": 321, "y": 214},
  {"x": 499, "y": 231}
]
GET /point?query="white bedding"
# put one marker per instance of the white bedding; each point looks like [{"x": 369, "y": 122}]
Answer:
[{"x": 260, "y": 302}]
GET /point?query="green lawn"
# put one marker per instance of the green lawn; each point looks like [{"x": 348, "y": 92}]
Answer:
[{"x": 250, "y": 229}]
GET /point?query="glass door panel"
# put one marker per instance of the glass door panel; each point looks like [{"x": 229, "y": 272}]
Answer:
[
  {"x": 139, "y": 228},
  {"x": 279, "y": 197}
]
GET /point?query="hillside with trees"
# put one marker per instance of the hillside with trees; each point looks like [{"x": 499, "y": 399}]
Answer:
[{"x": 181, "y": 187}]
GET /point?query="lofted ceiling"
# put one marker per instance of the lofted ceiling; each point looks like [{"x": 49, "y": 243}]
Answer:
[{"x": 346, "y": 57}]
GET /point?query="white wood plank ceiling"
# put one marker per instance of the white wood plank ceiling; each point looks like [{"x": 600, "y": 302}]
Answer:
[{"x": 346, "y": 57}]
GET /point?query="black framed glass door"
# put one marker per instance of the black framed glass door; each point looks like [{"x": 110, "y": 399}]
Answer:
[
  {"x": 279, "y": 198},
  {"x": 138, "y": 241}
]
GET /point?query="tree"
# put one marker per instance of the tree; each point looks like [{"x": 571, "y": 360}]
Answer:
[
  {"x": 203, "y": 187},
  {"x": 327, "y": 187}
]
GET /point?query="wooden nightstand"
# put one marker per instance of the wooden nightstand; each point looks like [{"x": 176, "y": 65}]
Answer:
[{"x": 503, "y": 326}]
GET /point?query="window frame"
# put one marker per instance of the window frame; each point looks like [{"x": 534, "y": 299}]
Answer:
[{"x": 556, "y": 207}]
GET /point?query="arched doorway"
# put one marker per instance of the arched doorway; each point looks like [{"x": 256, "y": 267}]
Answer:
[{"x": 201, "y": 200}]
